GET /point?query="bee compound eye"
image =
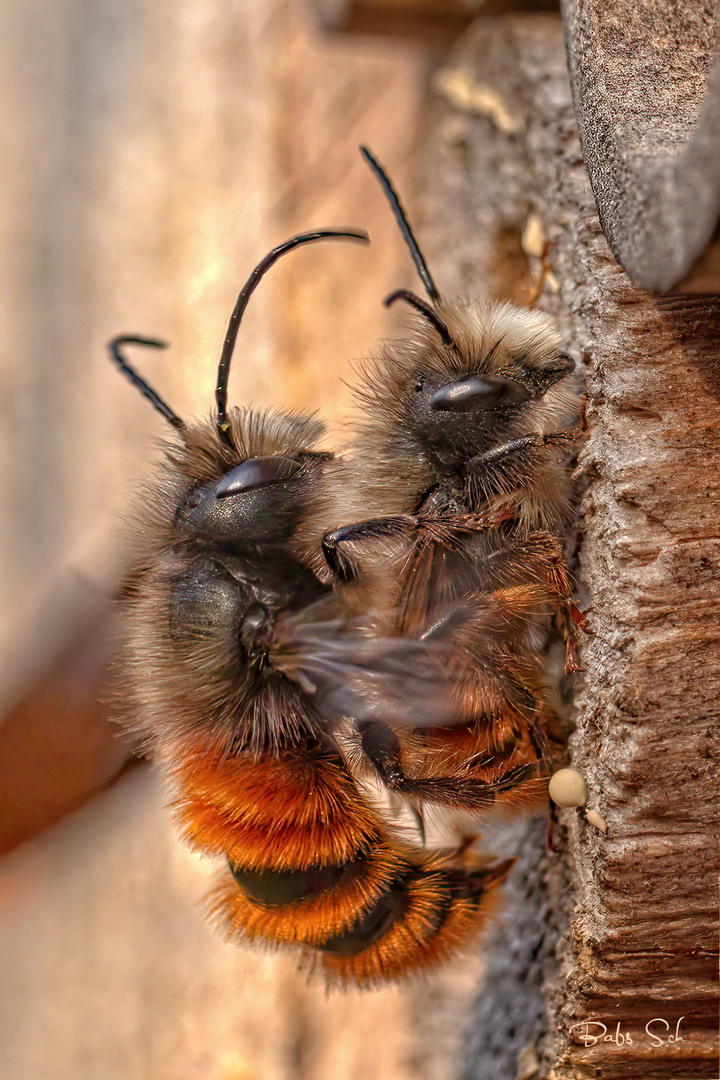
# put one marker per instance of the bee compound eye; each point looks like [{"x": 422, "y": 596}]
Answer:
[
  {"x": 477, "y": 392},
  {"x": 256, "y": 473},
  {"x": 465, "y": 394}
]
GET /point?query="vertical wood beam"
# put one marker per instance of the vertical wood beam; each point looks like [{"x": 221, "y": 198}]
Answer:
[{"x": 643, "y": 918}]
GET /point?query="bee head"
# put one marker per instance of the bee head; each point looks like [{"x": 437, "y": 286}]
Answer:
[
  {"x": 255, "y": 492},
  {"x": 243, "y": 476},
  {"x": 469, "y": 375}
]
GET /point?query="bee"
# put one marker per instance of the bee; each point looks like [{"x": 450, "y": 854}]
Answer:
[
  {"x": 460, "y": 469},
  {"x": 242, "y": 659}
]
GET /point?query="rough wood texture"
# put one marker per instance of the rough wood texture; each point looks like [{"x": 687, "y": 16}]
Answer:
[
  {"x": 644, "y": 915},
  {"x": 648, "y": 108}
]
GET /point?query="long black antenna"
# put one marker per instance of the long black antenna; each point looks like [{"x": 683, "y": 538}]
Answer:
[
  {"x": 424, "y": 309},
  {"x": 147, "y": 391},
  {"x": 401, "y": 218},
  {"x": 221, "y": 390}
]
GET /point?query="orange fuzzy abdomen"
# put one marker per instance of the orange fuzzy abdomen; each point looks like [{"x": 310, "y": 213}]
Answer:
[
  {"x": 311, "y": 864},
  {"x": 288, "y": 811}
]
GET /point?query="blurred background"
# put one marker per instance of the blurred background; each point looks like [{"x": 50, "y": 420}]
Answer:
[{"x": 153, "y": 152}]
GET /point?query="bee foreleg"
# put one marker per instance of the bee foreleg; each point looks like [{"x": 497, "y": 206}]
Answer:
[
  {"x": 511, "y": 464},
  {"x": 539, "y": 557},
  {"x": 382, "y": 748},
  {"x": 343, "y": 565}
]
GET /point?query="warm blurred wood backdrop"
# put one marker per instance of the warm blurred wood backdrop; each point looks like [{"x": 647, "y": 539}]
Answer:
[{"x": 152, "y": 154}]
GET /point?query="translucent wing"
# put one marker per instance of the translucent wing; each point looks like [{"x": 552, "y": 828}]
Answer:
[{"x": 349, "y": 671}]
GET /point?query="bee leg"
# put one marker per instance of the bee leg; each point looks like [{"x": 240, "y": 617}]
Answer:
[
  {"x": 541, "y": 554},
  {"x": 344, "y": 566},
  {"x": 571, "y": 664},
  {"x": 575, "y": 621},
  {"x": 580, "y": 619},
  {"x": 466, "y": 792},
  {"x": 511, "y": 464},
  {"x": 382, "y": 747}
]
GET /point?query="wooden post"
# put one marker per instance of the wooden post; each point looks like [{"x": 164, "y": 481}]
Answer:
[{"x": 634, "y": 910}]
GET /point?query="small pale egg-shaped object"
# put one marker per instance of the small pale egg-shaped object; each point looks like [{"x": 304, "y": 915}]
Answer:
[
  {"x": 595, "y": 818},
  {"x": 568, "y": 787},
  {"x": 533, "y": 237}
]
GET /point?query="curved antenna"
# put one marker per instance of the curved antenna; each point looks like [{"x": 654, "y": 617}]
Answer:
[
  {"x": 424, "y": 309},
  {"x": 221, "y": 389},
  {"x": 401, "y": 218},
  {"x": 147, "y": 391}
]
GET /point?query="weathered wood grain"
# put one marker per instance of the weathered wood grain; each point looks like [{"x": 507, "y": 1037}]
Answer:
[
  {"x": 643, "y": 926},
  {"x": 646, "y": 83}
]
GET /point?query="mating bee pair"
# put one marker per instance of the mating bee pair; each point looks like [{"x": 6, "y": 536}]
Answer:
[{"x": 294, "y": 619}]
